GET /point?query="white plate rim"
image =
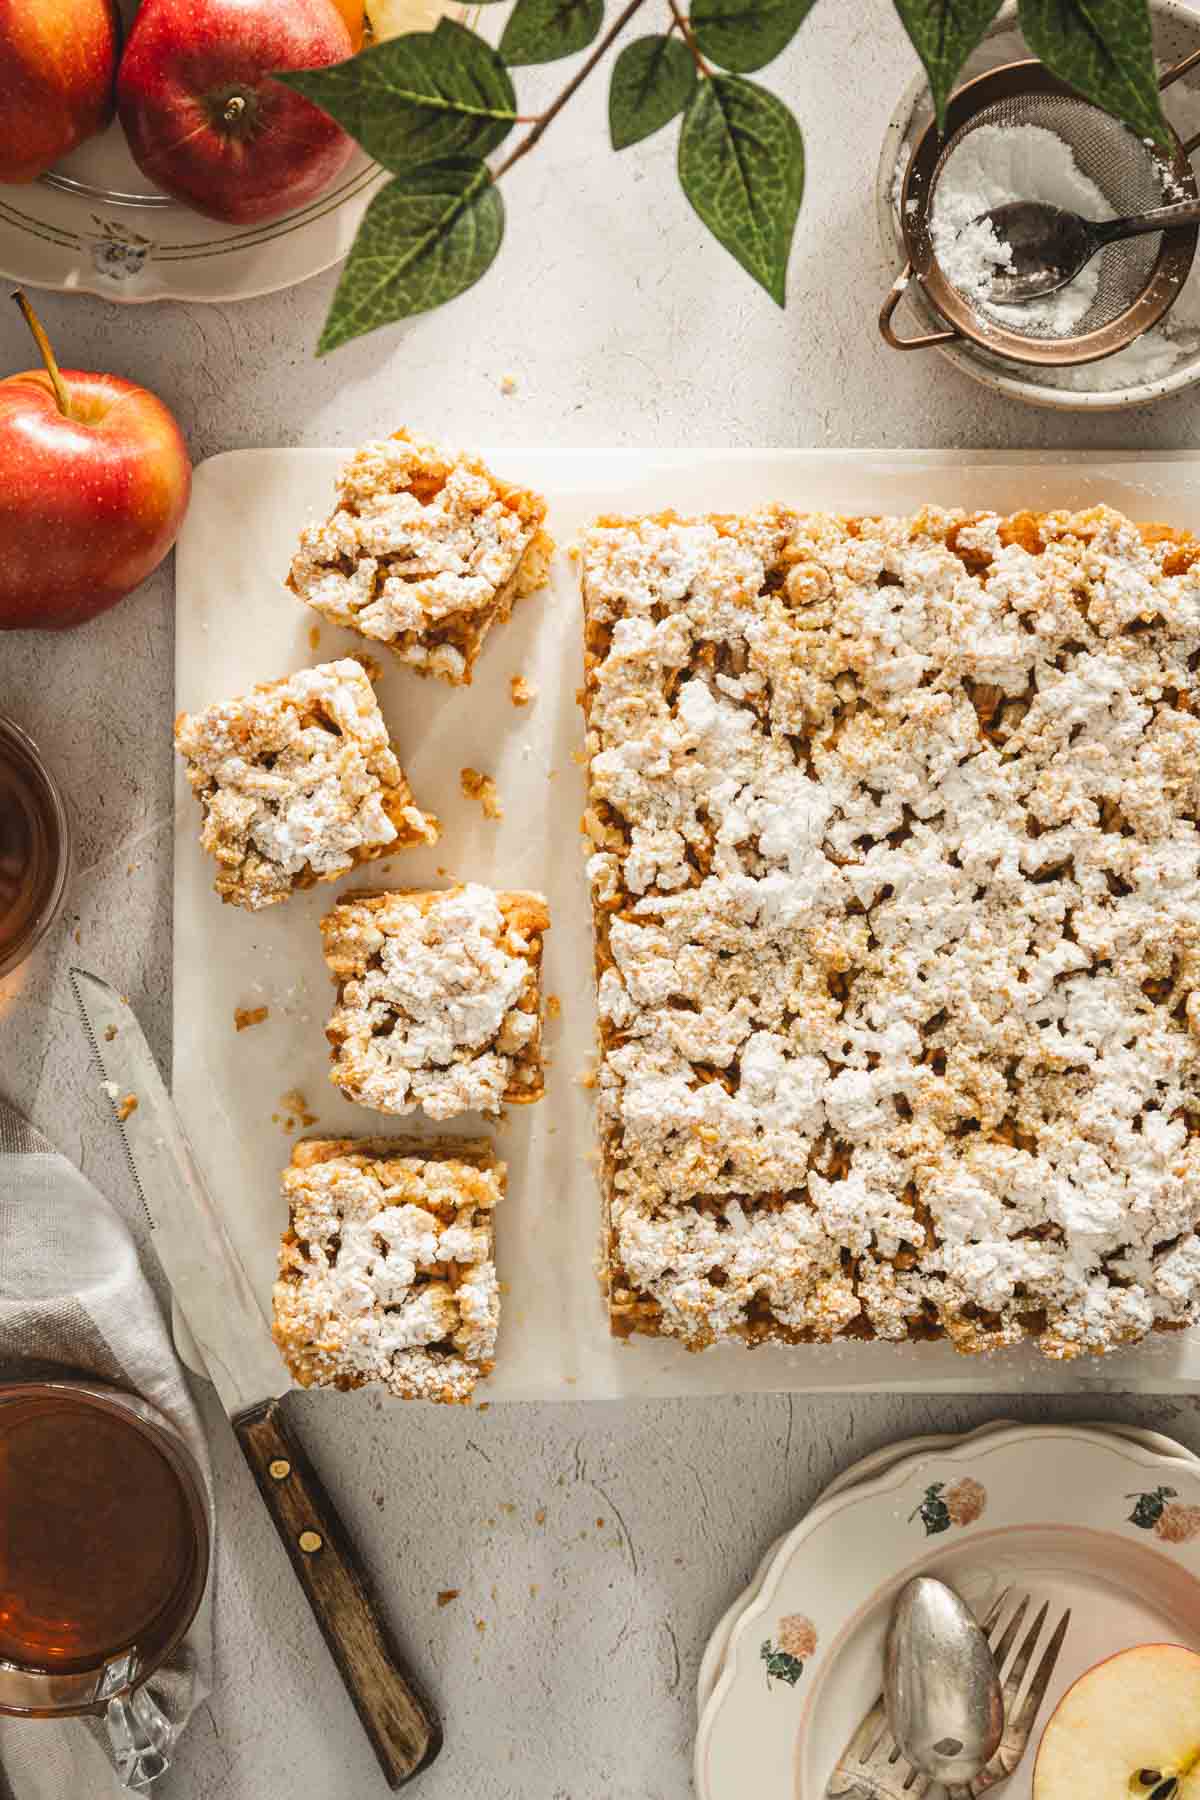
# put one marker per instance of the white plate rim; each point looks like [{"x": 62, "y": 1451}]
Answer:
[
  {"x": 1020, "y": 1439},
  {"x": 878, "y": 1462}
]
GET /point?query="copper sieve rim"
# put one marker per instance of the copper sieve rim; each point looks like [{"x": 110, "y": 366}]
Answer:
[{"x": 1171, "y": 267}]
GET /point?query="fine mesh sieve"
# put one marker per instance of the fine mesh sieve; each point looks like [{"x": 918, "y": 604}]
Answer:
[{"x": 1138, "y": 278}]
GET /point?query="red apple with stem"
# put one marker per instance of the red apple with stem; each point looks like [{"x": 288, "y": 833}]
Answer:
[
  {"x": 206, "y": 121},
  {"x": 94, "y": 483},
  {"x": 58, "y": 61}
]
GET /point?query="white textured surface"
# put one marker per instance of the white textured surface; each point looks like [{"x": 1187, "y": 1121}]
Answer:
[{"x": 622, "y": 324}]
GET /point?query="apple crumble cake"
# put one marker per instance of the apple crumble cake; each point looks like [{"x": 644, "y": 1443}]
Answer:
[
  {"x": 298, "y": 783},
  {"x": 894, "y": 864},
  {"x": 386, "y": 1270},
  {"x": 425, "y": 552},
  {"x": 438, "y": 999}
]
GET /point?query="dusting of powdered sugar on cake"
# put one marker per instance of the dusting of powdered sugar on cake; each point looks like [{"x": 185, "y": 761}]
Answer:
[
  {"x": 896, "y": 868},
  {"x": 387, "y": 1273},
  {"x": 437, "y": 1000}
]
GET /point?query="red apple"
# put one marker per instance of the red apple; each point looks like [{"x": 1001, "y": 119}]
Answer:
[
  {"x": 58, "y": 59},
  {"x": 94, "y": 483},
  {"x": 1129, "y": 1728},
  {"x": 205, "y": 120}
]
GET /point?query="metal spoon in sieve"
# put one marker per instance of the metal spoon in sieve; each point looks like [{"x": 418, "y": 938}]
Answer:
[{"x": 1050, "y": 245}]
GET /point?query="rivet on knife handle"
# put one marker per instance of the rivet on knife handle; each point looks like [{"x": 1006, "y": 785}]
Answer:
[{"x": 402, "y": 1730}]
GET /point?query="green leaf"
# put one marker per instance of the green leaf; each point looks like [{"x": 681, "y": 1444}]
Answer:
[
  {"x": 417, "y": 97},
  {"x": 652, "y": 80},
  {"x": 944, "y": 33},
  {"x": 427, "y": 236},
  {"x": 541, "y": 31},
  {"x": 741, "y": 163},
  {"x": 745, "y": 34},
  {"x": 1104, "y": 49}
]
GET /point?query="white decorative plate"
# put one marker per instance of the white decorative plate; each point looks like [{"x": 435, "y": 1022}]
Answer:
[
  {"x": 96, "y": 225},
  {"x": 55, "y": 238},
  {"x": 1049, "y": 1508},
  {"x": 876, "y": 1462}
]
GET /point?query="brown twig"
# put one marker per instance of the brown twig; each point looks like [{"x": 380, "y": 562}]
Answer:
[
  {"x": 577, "y": 80},
  {"x": 685, "y": 28}
]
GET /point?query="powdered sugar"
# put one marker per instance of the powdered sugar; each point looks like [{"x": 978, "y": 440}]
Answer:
[{"x": 993, "y": 165}]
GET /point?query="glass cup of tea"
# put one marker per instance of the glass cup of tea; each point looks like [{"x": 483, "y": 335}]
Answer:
[
  {"x": 104, "y": 1550},
  {"x": 35, "y": 846}
]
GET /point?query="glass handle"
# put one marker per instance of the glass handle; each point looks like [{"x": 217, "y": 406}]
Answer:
[{"x": 141, "y": 1736}]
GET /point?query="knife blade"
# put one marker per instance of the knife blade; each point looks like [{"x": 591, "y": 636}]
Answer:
[{"x": 216, "y": 1299}]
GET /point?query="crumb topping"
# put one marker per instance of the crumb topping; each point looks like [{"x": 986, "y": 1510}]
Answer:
[
  {"x": 438, "y": 999},
  {"x": 477, "y": 786},
  {"x": 424, "y": 552},
  {"x": 894, "y": 862},
  {"x": 386, "y": 1273},
  {"x": 521, "y": 691},
  {"x": 298, "y": 783}
]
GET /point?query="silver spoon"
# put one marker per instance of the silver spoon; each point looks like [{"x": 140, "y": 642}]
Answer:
[
  {"x": 940, "y": 1685},
  {"x": 1050, "y": 246}
]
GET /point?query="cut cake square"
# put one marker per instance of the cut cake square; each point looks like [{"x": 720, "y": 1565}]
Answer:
[
  {"x": 387, "y": 1270},
  {"x": 298, "y": 784},
  {"x": 438, "y": 999},
  {"x": 425, "y": 551}
]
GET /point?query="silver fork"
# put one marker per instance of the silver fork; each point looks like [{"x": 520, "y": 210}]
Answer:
[{"x": 871, "y": 1767}]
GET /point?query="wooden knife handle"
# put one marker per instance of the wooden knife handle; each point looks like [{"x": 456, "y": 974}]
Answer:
[{"x": 403, "y": 1732}]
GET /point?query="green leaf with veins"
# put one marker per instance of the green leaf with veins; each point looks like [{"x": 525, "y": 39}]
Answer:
[
  {"x": 1105, "y": 50},
  {"x": 652, "y": 80},
  {"x": 741, "y": 163},
  {"x": 541, "y": 31},
  {"x": 944, "y": 33},
  {"x": 744, "y": 34},
  {"x": 417, "y": 97},
  {"x": 427, "y": 236}
]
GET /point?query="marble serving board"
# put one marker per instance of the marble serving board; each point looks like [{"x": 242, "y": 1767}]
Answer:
[{"x": 237, "y": 624}]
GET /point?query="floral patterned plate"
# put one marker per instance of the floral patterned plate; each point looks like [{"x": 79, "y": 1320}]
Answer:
[
  {"x": 875, "y": 1463},
  {"x": 1080, "y": 1517}
]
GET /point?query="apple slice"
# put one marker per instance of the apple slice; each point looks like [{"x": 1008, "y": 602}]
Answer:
[{"x": 1127, "y": 1729}]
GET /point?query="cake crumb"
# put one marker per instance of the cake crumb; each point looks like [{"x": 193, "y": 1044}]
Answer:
[
  {"x": 245, "y": 1016},
  {"x": 508, "y": 384},
  {"x": 539, "y": 1517},
  {"x": 553, "y": 1006},
  {"x": 314, "y": 637},
  {"x": 110, "y": 1032},
  {"x": 126, "y": 1106},
  {"x": 477, "y": 786},
  {"x": 446, "y": 1595},
  {"x": 295, "y": 1107},
  {"x": 521, "y": 691}
]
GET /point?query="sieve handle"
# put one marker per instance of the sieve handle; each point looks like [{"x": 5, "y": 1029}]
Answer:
[
  {"x": 896, "y": 293},
  {"x": 1179, "y": 69},
  {"x": 1159, "y": 218}
]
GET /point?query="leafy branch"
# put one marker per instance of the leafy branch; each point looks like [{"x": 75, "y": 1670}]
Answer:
[{"x": 431, "y": 106}]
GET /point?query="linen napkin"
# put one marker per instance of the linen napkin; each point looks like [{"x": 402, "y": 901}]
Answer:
[{"x": 74, "y": 1301}]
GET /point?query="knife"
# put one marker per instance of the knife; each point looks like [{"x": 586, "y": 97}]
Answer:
[{"x": 217, "y": 1301}]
